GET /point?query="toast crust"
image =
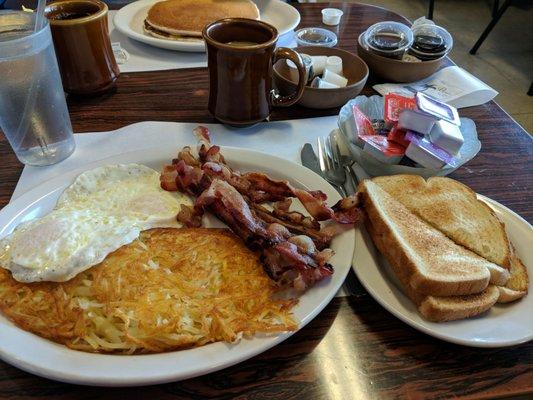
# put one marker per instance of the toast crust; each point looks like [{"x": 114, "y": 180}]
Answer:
[
  {"x": 517, "y": 285},
  {"x": 441, "y": 309},
  {"x": 519, "y": 280},
  {"x": 507, "y": 295}
]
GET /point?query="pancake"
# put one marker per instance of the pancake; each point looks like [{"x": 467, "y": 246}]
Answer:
[
  {"x": 170, "y": 289},
  {"x": 187, "y": 18},
  {"x": 164, "y": 35}
]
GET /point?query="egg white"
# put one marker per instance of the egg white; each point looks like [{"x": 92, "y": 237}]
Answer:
[{"x": 104, "y": 209}]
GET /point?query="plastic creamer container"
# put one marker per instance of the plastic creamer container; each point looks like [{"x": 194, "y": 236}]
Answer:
[
  {"x": 315, "y": 37},
  {"x": 331, "y": 16}
]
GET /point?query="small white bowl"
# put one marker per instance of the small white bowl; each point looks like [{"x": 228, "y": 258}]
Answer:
[{"x": 331, "y": 16}]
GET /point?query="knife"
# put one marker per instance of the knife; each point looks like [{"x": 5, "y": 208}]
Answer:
[{"x": 310, "y": 160}]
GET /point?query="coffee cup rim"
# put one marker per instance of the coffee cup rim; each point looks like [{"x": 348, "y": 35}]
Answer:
[
  {"x": 211, "y": 40},
  {"x": 103, "y": 9}
]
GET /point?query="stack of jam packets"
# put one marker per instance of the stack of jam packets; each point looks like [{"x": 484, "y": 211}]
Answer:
[{"x": 420, "y": 130}]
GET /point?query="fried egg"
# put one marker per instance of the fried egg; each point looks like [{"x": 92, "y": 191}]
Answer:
[{"x": 104, "y": 209}]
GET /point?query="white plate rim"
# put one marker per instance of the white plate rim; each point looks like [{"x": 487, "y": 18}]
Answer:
[
  {"x": 123, "y": 18},
  {"x": 121, "y": 378},
  {"x": 413, "y": 318}
]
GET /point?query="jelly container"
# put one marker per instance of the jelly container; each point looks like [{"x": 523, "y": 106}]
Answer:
[
  {"x": 430, "y": 42},
  {"x": 388, "y": 39}
]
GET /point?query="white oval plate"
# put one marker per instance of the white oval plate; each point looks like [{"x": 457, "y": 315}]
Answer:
[
  {"x": 130, "y": 20},
  {"x": 503, "y": 325},
  {"x": 51, "y": 360}
]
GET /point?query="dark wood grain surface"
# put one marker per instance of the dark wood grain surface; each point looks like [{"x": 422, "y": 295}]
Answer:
[{"x": 354, "y": 349}]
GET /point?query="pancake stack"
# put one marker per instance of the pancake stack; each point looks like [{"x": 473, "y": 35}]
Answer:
[{"x": 185, "y": 19}]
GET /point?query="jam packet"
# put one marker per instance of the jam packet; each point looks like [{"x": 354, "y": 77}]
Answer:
[
  {"x": 395, "y": 104},
  {"x": 362, "y": 122},
  {"x": 397, "y": 136},
  {"x": 357, "y": 125},
  {"x": 383, "y": 149}
]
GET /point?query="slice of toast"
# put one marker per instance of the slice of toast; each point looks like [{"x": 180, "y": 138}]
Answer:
[
  {"x": 423, "y": 258},
  {"x": 453, "y": 209},
  {"x": 440, "y": 309},
  {"x": 449, "y": 308},
  {"x": 517, "y": 285}
]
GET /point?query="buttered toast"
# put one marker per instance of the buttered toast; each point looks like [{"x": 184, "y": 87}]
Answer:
[
  {"x": 453, "y": 209},
  {"x": 423, "y": 258}
]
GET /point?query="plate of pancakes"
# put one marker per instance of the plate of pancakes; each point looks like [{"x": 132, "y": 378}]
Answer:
[
  {"x": 181, "y": 294},
  {"x": 177, "y": 24}
]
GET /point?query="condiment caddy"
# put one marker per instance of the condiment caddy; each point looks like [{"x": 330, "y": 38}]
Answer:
[{"x": 397, "y": 134}]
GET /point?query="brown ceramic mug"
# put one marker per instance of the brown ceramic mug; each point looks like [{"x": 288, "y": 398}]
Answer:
[
  {"x": 240, "y": 55},
  {"x": 82, "y": 45}
]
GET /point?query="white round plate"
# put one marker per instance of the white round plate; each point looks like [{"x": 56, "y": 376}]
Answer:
[
  {"x": 503, "y": 325},
  {"x": 51, "y": 360},
  {"x": 130, "y": 20}
]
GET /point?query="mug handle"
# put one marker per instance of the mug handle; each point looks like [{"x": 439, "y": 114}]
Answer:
[{"x": 278, "y": 100}]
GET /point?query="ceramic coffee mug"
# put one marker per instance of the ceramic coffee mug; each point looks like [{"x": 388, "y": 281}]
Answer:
[
  {"x": 82, "y": 45},
  {"x": 240, "y": 55}
]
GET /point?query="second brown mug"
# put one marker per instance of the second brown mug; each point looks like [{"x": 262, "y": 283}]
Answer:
[
  {"x": 240, "y": 55},
  {"x": 83, "y": 48}
]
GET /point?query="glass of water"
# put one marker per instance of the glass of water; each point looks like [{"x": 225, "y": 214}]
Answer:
[{"x": 33, "y": 111}]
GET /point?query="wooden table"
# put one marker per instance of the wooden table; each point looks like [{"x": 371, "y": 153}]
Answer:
[{"x": 354, "y": 349}]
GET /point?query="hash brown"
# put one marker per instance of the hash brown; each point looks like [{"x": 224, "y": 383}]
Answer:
[{"x": 170, "y": 289}]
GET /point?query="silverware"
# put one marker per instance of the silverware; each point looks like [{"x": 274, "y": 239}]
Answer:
[
  {"x": 309, "y": 159},
  {"x": 357, "y": 173},
  {"x": 344, "y": 161},
  {"x": 332, "y": 171}
]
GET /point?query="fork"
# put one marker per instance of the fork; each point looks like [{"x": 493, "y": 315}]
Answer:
[
  {"x": 331, "y": 169},
  {"x": 344, "y": 161}
]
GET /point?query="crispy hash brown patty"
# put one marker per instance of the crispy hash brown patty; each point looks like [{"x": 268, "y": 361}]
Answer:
[{"x": 170, "y": 289}]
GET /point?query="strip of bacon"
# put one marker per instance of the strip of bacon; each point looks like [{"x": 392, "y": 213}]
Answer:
[
  {"x": 202, "y": 133},
  {"x": 320, "y": 239},
  {"x": 281, "y": 209},
  {"x": 168, "y": 178},
  {"x": 234, "y": 204}
]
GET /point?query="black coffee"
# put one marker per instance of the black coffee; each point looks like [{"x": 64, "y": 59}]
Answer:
[
  {"x": 63, "y": 15},
  {"x": 241, "y": 43}
]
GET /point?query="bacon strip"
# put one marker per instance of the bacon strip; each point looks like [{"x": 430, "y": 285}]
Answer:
[{"x": 233, "y": 202}]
